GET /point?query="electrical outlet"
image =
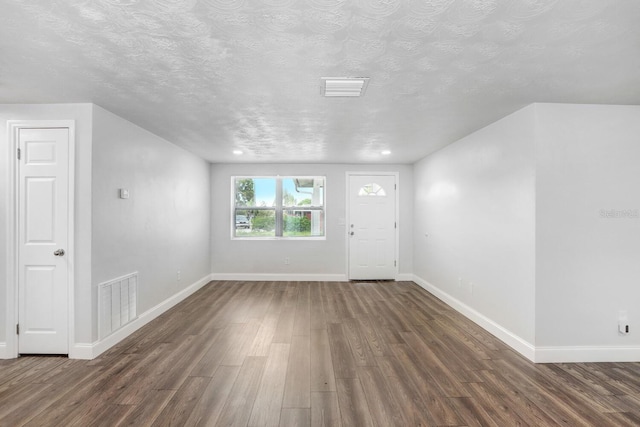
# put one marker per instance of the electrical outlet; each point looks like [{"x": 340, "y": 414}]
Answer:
[
  {"x": 623, "y": 322},
  {"x": 459, "y": 282},
  {"x": 471, "y": 288},
  {"x": 287, "y": 261},
  {"x": 178, "y": 275}
]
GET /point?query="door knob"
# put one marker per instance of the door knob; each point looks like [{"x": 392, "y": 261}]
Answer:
[
  {"x": 59, "y": 252},
  {"x": 352, "y": 233}
]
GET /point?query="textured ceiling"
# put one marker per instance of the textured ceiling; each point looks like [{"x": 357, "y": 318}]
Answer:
[{"x": 218, "y": 75}]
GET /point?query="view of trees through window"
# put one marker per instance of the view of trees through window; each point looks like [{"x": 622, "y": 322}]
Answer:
[{"x": 275, "y": 207}]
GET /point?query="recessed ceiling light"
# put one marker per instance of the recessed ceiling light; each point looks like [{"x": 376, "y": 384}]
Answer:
[
  {"x": 385, "y": 152},
  {"x": 237, "y": 152},
  {"x": 343, "y": 86}
]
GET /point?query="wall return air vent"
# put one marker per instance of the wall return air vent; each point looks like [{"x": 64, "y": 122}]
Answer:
[{"x": 343, "y": 86}]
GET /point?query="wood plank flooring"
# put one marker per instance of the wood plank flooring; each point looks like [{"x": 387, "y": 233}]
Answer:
[{"x": 314, "y": 354}]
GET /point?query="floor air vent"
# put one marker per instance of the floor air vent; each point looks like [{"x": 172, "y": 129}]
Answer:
[{"x": 117, "y": 303}]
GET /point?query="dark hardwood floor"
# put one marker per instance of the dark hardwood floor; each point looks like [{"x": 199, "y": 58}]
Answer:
[{"x": 314, "y": 353}]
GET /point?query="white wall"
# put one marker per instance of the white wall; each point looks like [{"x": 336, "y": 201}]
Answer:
[
  {"x": 163, "y": 227},
  {"x": 588, "y": 266},
  {"x": 81, "y": 113},
  {"x": 309, "y": 259},
  {"x": 517, "y": 209},
  {"x": 475, "y": 200}
]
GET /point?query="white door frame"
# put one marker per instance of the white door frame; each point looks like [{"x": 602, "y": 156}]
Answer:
[
  {"x": 13, "y": 128},
  {"x": 348, "y": 175}
]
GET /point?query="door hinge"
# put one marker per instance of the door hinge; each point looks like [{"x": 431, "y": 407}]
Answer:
[
  {"x": 395, "y": 225},
  {"x": 17, "y": 329},
  {"x": 19, "y": 152},
  {"x": 395, "y": 263},
  {"x": 395, "y": 186}
]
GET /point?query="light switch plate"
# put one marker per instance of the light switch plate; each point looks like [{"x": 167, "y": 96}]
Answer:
[{"x": 124, "y": 193}]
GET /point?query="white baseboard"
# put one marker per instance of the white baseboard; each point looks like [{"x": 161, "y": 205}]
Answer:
[
  {"x": 93, "y": 350},
  {"x": 83, "y": 351},
  {"x": 253, "y": 277},
  {"x": 269, "y": 277},
  {"x": 3, "y": 351},
  {"x": 520, "y": 345},
  {"x": 565, "y": 354},
  {"x": 579, "y": 354}
]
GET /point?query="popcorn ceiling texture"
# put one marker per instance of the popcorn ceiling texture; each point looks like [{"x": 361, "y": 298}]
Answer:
[{"x": 214, "y": 75}]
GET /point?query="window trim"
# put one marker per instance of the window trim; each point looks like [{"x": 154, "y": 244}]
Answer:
[{"x": 279, "y": 208}]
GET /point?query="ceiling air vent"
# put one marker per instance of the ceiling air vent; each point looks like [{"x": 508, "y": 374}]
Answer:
[{"x": 343, "y": 86}]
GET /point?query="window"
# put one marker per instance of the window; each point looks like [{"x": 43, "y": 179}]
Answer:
[
  {"x": 372, "y": 189},
  {"x": 278, "y": 207}
]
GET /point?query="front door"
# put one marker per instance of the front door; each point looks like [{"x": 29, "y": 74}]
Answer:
[
  {"x": 43, "y": 269},
  {"x": 372, "y": 227}
]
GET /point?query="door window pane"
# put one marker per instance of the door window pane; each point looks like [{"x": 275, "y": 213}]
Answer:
[{"x": 372, "y": 189}]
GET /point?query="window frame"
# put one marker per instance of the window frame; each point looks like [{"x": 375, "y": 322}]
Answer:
[{"x": 279, "y": 207}]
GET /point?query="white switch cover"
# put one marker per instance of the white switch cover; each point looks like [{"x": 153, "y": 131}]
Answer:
[{"x": 124, "y": 193}]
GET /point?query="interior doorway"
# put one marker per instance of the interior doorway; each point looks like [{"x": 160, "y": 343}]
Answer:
[{"x": 42, "y": 284}]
